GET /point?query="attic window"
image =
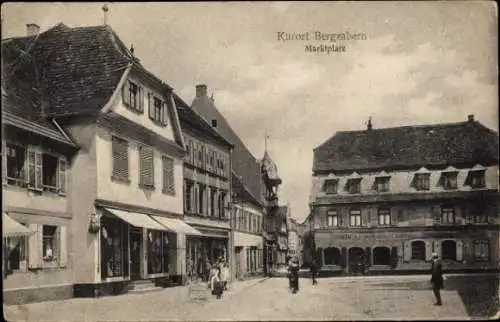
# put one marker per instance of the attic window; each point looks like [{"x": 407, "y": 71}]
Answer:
[
  {"x": 476, "y": 179},
  {"x": 133, "y": 98},
  {"x": 214, "y": 123},
  {"x": 354, "y": 186},
  {"x": 330, "y": 186},
  {"x": 449, "y": 180}
]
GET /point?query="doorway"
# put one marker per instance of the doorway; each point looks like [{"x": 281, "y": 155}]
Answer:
[
  {"x": 356, "y": 260},
  {"x": 135, "y": 253}
]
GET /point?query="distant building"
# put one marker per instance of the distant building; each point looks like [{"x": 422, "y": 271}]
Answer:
[
  {"x": 294, "y": 242},
  {"x": 386, "y": 199}
]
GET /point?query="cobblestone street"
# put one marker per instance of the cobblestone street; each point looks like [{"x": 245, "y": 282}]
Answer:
[{"x": 402, "y": 297}]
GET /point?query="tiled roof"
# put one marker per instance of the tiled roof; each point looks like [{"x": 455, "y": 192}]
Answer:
[
  {"x": 189, "y": 117},
  {"x": 408, "y": 146},
  {"x": 72, "y": 70},
  {"x": 244, "y": 163}
]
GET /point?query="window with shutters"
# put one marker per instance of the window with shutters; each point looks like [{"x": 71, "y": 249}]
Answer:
[
  {"x": 133, "y": 97},
  {"x": 50, "y": 244},
  {"x": 16, "y": 165},
  {"x": 481, "y": 250},
  {"x": 384, "y": 217},
  {"x": 168, "y": 175},
  {"x": 119, "y": 149},
  {"x": 156, "y": 113},
  {"x": 422, "y": 181},
  {"x": 146, "y": 167},
  {"x": 188, "y": 196}
]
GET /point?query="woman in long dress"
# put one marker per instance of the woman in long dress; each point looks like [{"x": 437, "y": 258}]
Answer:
[{"x": 216, "y": 284}]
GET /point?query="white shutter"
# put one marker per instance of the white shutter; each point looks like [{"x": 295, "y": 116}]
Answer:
[
  {"x": 407, "y": 250},
  {"x": 61, "y": 176},
  {"x": 150, "y": 106},
  {"x": 165, "y": 113},
  {"x": 35, "y": 242},
  {"x": 460, "y": 251},
  {"x": 141, "y": 98},
  {"x": 125, "y": 93},
  {"x": 428, "y": 250}
]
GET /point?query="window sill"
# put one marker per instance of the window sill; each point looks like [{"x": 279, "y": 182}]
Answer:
[
  {"x": 159, "y": 123},
  {"x": 120, "y": 180},
  {"x": 133, "y": 109},
  {"x": 168, "y": 193},
  {"x": 147, "y": 187}
]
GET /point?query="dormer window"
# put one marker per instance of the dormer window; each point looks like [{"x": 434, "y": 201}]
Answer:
[
  {"x": 157, "y": 109},
  {"x": 476, "y": 179},
  {"x": 449, "y": 180},
  {"x": 382, "y": 184},
  {"x": 330, "y": 186},
  {"x": 133, "y": 97},
  {"x": 354, "y": 186},
  {"x": 421, "y": 181}
]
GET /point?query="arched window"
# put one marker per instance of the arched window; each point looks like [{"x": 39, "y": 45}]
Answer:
[
  {"x": 332, "y": 256},
  {"x": 449, "y": 249},
  {"x": 418, "y": 250},
  {"x": 381, "y": 256}
]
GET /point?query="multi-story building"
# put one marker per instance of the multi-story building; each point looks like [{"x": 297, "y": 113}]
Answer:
[
  {"x": 36, "y": 170},
  {"x": 247, "y": 201},
  {"x": 386, "y": 199},
  {"x": 294, "y": 249},
  {"x": 125, "y": 192},
  {"x": 207, "y": 190}
]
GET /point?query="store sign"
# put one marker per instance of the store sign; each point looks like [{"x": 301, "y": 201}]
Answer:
[
  {"x": 224, "y": 234},
  {"x": 350, "y": 237}
]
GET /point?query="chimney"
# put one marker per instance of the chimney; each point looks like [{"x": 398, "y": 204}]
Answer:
[
  {"x": 470, "y": 118},
  {"x": 32, "y": 29},
  {"x": 201, "y": 90},
  {"x": 369, "y": 125}
]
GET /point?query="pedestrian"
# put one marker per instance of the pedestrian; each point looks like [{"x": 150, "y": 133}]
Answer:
[
  {"x": 225, "y": 275},
  {"x": 437, "y": 278},
  {"x": 294, "y": 275},
  {"x": 289, "y": 271},
  {"x": 314, "y": 271},
  {"x": 216, "y": 284}
]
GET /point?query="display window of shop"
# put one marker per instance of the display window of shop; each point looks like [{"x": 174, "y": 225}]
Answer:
[
  {"x": 114, "y": 248},
  {"x": 158, "y": 252},
  {"x": 481, "y": 250},
  {"x": 16, "y": 249}
]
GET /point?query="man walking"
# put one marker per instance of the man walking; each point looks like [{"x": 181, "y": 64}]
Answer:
[
  {"x": 314, "y": 271},
  {"x": 437, "y": 278}
]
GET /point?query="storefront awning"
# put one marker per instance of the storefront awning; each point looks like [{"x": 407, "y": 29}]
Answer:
[
  {"x": 11, "y": 228},
  {"x": 136, "y": 219},
  {"x": 177, "y": 225}
]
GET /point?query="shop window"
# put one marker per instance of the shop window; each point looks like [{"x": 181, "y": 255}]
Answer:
[
  {"x": 418, "y": 250},
  {"x": 447, "y": 215},
  {"x": 158, "y": 246},
  {"x": 332, "y": 256},
  {"x": 381, "y": 256},
  {"x": 330, "y": 186},
  {"x": 449, "y": 180},
  {"x": 481, "y": 250},
  {"x": 16, "y": 159},
  {"x": 382, "y": 184},
  {"x": 421, "y": 182},
  {"x": 449, "y": 250},
  {"x": 114, "y": 248},
  {"x": 384, "y": 217},
  {"x": 355, "y": 218}
]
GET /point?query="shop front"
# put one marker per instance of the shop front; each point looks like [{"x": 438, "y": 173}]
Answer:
[{"x": 204, "y": 251}]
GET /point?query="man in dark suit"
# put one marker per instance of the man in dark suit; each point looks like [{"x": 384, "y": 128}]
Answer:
[
  {"x": 437, "y": 278},
  {"x": 314, "y": 271}
]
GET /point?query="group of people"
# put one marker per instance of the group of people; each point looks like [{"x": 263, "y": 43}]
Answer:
[
  {"x": 218, "y": 278},
  {"x": 293, "y": 273}
]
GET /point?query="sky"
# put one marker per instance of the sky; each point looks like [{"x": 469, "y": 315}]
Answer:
[{"x": 416, "y": 63}]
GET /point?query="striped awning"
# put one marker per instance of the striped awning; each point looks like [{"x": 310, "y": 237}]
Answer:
[
  {"x": 136, "y": 219},
  {"x": 176, "y": 225},
  {"x": 11, "y": 228}
]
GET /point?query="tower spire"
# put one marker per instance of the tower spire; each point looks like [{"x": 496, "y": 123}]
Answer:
[{"x": 105, "y": 10}]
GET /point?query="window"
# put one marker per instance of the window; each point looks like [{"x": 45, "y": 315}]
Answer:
[
  {"x": 450, "y": 180},
  {"x": 17, "y": 259},
  {"x": 188, "y": 195},
  {"x": 146, "y": 167},
  {"x": 381, "y": 256},
  {"x": 354, "y": 186},
  {"x": 213, "y": 193},
  {"x": 332, "y": 256},
  {"x": 384, "y": 217},
  {"x": 476, "y": 179},
  {"x": 382, "y": 184},
  {"x": 481, "y": 250},
  {"x": 355, "y": 218},
  {"x": 133, "y": 98},
  {"x": 158, "y": 249},
  {"x": 16, "y": 158},
  {"x": 222, "y": 205},
  {"x": 476, "y": 219},
  {"x": 119, "y": 149},
  {"x": 201, "y": 198},
  {"x": 449, "y": 249},
  {"x": 50, "y": 244},
  {"x": 447, "y": 215},
  {"x": 422, "y": 181},
  {"x": 114, "y": 247},
  {"x": 330, "y": 186},
  {"x": 418, "y": 250},
  {"x": 49, "y": 171},
  {"x": 168, "y": 176},
  {"x": 332, "y": 219},
  {"x": 188, "y": 152},
  {"x": 156, "y": 109}
]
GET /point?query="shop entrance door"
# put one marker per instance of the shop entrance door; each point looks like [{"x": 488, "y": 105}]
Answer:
[{"x": 135, "y": 253}]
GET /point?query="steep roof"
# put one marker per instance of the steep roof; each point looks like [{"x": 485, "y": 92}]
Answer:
[
  {"x": 408, "y": 146},
  {"x": 189, "y": 117},
  {"x": 73, "y": 70},
  {"x": 244, "y": 163}
]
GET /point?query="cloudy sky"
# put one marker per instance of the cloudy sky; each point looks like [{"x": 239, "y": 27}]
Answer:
[{"x": 425, "y": 62}]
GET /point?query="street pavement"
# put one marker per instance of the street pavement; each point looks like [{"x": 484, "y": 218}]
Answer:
[{"x": 352, "y": 298}]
